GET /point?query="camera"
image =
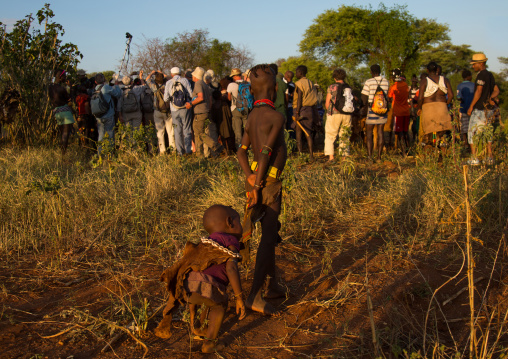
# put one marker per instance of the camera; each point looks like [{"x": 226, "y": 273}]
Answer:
[{"x": 128, "y": 36}]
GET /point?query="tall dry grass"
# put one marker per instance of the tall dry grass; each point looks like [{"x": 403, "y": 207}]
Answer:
[{"x": 154, "y": 205}]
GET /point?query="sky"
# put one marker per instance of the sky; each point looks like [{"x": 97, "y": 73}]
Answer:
[{"x": 269, "y": 29}]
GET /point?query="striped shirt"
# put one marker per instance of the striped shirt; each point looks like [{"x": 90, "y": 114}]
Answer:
[{"x": 369, "y": 89}]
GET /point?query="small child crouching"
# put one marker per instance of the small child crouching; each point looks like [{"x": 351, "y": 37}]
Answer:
[{"x": 201, "y": 276}]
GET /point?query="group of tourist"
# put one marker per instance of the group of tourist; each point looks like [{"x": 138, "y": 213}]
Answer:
[{"x": 194, "y": 112}]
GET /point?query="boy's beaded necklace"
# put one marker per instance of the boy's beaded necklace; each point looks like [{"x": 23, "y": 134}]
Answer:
[{"x": 264, "y": 102}]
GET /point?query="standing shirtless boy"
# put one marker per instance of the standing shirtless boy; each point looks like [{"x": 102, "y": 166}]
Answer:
[{"x": 265, "y": 132}]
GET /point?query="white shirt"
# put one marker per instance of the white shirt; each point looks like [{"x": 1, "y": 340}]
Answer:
[
  {"x": 233, "y": 90},
  {"x": 369, "y": 89}
]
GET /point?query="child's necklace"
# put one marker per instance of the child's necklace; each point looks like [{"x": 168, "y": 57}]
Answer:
[{"x": 264, "y": 102}]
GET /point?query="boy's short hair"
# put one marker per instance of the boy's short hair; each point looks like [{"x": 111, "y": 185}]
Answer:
[
  {"x": 466, "y": 73},
  {"x": 432, "y": 66},
  {"x": 339, "y": 74},
  {"x": 375, "y": 69},
  {"x": 302, "y": 69},
  {"x": 100, "y": 78}
]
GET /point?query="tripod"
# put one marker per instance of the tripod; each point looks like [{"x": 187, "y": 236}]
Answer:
[{"x": 127, "y": 54}]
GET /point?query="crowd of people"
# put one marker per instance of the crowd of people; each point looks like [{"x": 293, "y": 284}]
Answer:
[{"x": 193, "y": 112}]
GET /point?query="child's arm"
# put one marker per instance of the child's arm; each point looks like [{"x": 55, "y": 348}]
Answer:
[
  {"x": 243, "y": 158},
  {"x": 234, "y": 279}
]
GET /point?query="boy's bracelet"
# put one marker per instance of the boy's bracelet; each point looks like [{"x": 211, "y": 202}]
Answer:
[{"x": 238, "y": 295}]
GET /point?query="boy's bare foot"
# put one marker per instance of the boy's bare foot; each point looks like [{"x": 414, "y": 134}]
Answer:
[
  {"x": 200, "y": 332},
  {"x": 163, "y": 332},
  {"x": 275, "y": 290},
  {"x": 210, "y": 346},
  {"x": 261, "y": 306}
]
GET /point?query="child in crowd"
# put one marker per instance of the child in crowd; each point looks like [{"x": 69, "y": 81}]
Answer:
[{"x": 201, "y": 276}]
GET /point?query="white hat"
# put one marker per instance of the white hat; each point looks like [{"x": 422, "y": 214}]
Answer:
[
  {"x": 198, "y": 73},
  {"x": 126, "y": 80},
  {"x": 175, "y": 70}
]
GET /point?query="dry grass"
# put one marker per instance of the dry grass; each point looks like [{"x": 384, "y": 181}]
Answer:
[{"x": 108, "y": 216}]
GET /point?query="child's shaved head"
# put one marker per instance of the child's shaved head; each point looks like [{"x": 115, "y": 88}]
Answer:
[
  {"x": 215, "y": 218},
  {"x": 262, "y": 78}
]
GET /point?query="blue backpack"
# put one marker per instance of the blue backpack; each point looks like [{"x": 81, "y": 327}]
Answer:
[
  {"x": 179, "y": 95},
  {"x": 244, "y": 100}
]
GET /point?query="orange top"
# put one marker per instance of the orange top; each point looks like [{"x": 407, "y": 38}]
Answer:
[{"x": 399, "y": 92}]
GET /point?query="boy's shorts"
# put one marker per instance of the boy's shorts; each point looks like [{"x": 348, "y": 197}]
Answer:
[
  {"x": 477, "y": 121},
  {"x": 464, "y": 123},
  {"x": 401, "y": 123}
]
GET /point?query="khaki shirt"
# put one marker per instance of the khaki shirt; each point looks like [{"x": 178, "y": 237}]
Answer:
[{"x": 309, "y": 93}]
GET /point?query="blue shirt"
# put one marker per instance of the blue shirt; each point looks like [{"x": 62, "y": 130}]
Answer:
[
  {"x": 107, "y": 92},
  {"x": 465, "y": 92}
]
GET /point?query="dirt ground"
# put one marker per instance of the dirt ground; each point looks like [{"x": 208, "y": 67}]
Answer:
[{"x": 49, "y": 313}]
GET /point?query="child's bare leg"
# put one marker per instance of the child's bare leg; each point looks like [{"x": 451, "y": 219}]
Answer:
[
  {"x": 215, "y": 318},
  {"x": 201, "y": 331},
  {"x": 163, "y": 330},
  {"x": 380, "y": 141},
  {"x": 311, "y": 148},
  {"x": 265, "y": 261},
  {"x": 274, "y": 289},
  {"x": 299, "y": 134}
]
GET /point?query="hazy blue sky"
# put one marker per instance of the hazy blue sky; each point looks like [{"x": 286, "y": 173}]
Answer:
[{"x": 270, "y": 29}]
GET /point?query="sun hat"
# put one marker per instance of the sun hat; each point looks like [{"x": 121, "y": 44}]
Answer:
[
  {"x": 175, "y": 70},
  {"x": 478, "y": 58},
  {"x": 236, "y": 72},
  {"x": 126, "y": 80},
  {"x": 198, "y": 73}
]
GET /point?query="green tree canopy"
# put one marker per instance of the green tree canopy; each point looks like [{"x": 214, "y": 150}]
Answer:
[
  {"x": 452, "y": 58},
  {"x": 28, "y": 57},
  {"x": 352, "y": 36},
  {"x": 504, "y": 71}
]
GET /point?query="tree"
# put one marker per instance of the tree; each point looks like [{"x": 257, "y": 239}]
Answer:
[
  {"x": 151, "y": 54},
  {"x": 504, "y": 71},
  {"x": 317, "y": 71},
  {"x": 28, "y": 58},
  {"x": 352, "y": 36},
  {"x": 452, "y": 58},
  {"x": 189, "y": 50}
]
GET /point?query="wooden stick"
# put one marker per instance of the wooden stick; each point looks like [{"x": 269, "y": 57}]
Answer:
[
  {"x": 460, "y": 292},
  {"x": 371, "y": 310},
  {"x": 470, "y": 273},
  {"x": 299, "y": 124}
]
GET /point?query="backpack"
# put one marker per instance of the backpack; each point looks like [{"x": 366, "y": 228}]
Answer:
[
  {"x": 179, "y": 94},
  {"x": 160, "y": 104},
  {"x": 244, "y": 100},
  {"x": 344, "y": 100},
  {"x": 98, "y": 103},
  {"x": 147, "y": 100},
  {"x": 130, "y": 101},
  {"x": 380, "y": 102}
]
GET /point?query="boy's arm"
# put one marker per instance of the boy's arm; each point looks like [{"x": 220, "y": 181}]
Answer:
[
  {"x": 243, "y": 158},
  {"x": 477, "y": 95},
  {"x": 264, "y": 156},
  {"x": 450, "y": 92},
  {"x": 234, "y": 279},
  {"x": 423, "y": 85},
  {"x": 328, "y": 99}
]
